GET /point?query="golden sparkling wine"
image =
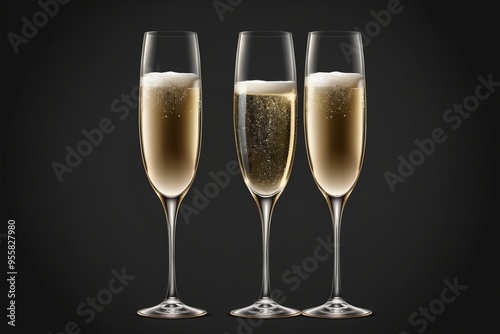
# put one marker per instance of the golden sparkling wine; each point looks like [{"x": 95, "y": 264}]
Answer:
[
  {"x": 170, "y": 121},
  {"x": 265, "y": 116},
  {"x": 335, "y": 129}
]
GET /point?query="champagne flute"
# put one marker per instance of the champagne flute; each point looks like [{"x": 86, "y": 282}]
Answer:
[
  {"x": 335, "y": 126},
  {"x": 265, "y": 122},
  {"x": 170, "y": 135}
]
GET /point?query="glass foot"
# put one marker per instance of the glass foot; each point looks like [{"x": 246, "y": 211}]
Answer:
[
  {"x": 336, "y": 308},
  {"x": 171, "y": 309},
  {"x": 265, "y": 308}
]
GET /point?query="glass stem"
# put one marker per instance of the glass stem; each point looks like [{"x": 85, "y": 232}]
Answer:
[
  {"x": 266, "y": 206},
  {"x": 171, "y": 207},
  {"x": 336, "y": 205}
]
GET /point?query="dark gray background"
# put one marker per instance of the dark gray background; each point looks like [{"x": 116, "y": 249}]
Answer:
[{"x": 397, "y": 247}]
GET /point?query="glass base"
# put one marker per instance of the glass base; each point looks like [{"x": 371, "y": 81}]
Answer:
[
  {"x": 336, "y": 308},
  {"x": 171, "y": 308},
  {"x": 265, "y": 308}
]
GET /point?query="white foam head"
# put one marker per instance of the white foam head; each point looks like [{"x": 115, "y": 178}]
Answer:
[
  {"x": 170, "y": 79},
  {"x": 264, "y": 87},
  {"x": 330, "y": 79}
]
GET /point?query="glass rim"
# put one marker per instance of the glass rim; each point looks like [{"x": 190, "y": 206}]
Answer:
[
  {"x": 334, "y": 33},
  {"x": 265, "y": 33},
  {"x": 170, "y": 33}
]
